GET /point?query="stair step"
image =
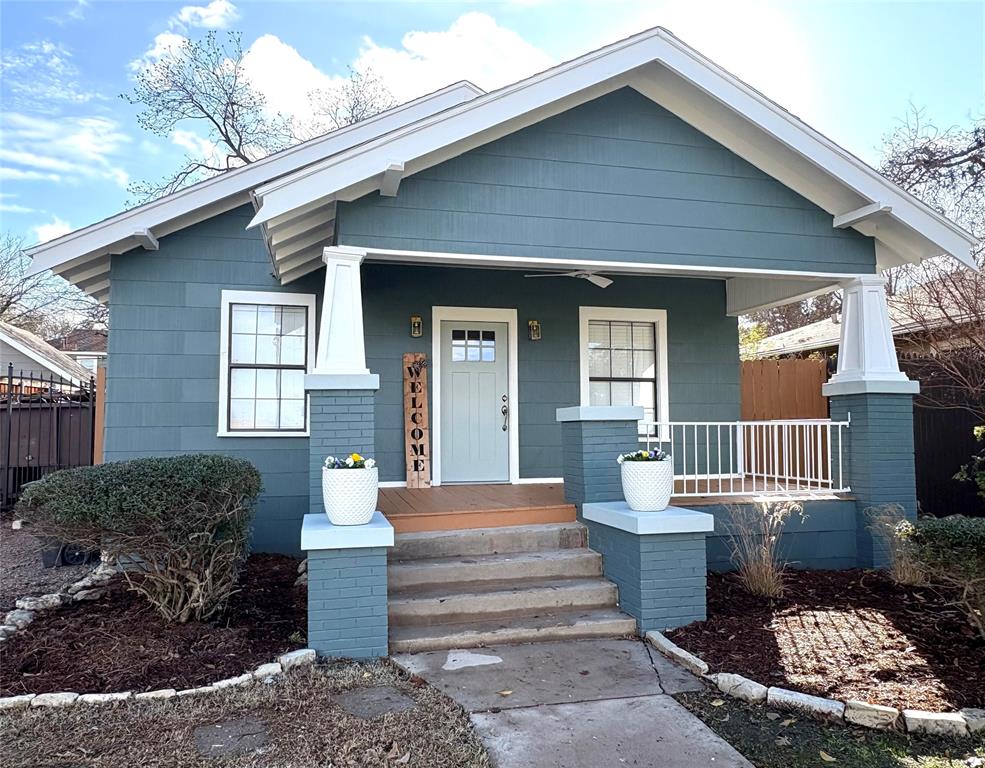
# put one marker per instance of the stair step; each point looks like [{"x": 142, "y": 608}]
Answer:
[
  {"x": 450, "y": 603},
  {"x": 551, "y": 564},
  {"x": 557, "y": 625},
  {"x": 488, "y": 541}
]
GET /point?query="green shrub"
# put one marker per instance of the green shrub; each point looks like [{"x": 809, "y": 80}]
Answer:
[
  {"x": 950, "y": 551},
  {"x": 180, "y": 525},
  {"x": 974, "y": 470}
]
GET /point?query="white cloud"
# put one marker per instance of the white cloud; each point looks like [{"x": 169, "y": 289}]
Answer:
[
  {"x": 163, "y": 43},
  {"x": 284, "y": 76},
  {"x": 475, "y": 47},
  {"x": 218, "y": 14},
  {"x": 41, "y": 75},
  {"x": 69, "y": 149},
  {"x": 6, "y": 207},
  {"x": 75, "y": 13},
  {"x": 53, "y": 229}
]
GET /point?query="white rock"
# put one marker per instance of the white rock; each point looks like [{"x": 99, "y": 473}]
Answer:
[
  {"x": 89, "y": 594},
  {"x": 6, "y": 630},
  {"x": 65, "y": 699},
  {"x": 740, "y": 687},
  {"x": 303, "y": 567},
  {"x": 267, "y": 670},
  {"x": 302, "y": 579},
  {"x": 870, "y": 715},
  {"x": 43, "y": 603},
  {"x": 16, "y": 525},
  {"x": 814, "y": 706},
  {"x": 229, "y": 682},
  {"x": 196, "y": 691},
  {"x": 16, "y": 702},
  {"x": 95, "y": 579},
  {"x": 682, "y": 657},
  {"x": 297, "y": 658},
  {"x": 161, "y": 693},
  {"x": 104, "y": 698},
  {"x": 975, "y": 718},
  {"x": 935, "y": 723},
  {"x": 19, "y": 618}
]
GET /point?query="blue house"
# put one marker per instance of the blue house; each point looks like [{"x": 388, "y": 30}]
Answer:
[{"x": 569, "y": 254}]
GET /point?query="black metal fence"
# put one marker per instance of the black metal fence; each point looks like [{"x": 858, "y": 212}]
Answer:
[{"x": 46, "y": 424}]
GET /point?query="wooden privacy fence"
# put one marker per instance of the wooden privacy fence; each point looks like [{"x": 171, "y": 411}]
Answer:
[
  {"x": 46, "y": 424},
  {"x": 783, "y": 389},
  {"x": 775, "y": 390}
]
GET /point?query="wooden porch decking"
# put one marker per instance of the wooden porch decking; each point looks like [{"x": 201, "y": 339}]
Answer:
[{"x": 457, "y": 507}]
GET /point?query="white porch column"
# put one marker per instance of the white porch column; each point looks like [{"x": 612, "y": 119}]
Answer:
[
  {"x": 866, "y": 353},
  {"x": 341, "y": 346}
]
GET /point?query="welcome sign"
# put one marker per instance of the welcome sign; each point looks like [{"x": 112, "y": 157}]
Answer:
[{"x": 417, "y": 424}]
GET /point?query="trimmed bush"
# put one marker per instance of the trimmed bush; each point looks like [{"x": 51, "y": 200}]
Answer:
[
  {"x": 179, "y": 525},
  {"x": 950, "y": 552}
]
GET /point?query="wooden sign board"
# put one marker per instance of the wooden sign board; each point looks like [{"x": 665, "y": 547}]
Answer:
[{"x": 417, "y": 422}]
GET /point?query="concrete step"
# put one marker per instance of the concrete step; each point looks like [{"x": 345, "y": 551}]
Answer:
[
  {"x": 479, "y": 601},
  {"x": 557, "y": 625},
  {"x": 551, "y": 564},
  {"x": 488, "y": 541}
]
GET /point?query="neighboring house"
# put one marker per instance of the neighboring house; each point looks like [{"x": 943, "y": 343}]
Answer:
[
  {"x": 25, "y": 356},
  {"x": 265, "y": 313},
  {"x": 87, "y": 346}
]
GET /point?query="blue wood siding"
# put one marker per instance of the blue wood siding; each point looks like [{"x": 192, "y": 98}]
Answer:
[
  {"x": 163, "y": 370},
  {"x": 620, "y": 179},
  {"x": 703, "y": 357}
]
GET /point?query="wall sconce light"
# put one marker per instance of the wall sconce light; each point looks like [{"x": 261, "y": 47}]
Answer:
[
  {"x": 416, "y": 326},
  {"x": 533, "y": 330}
]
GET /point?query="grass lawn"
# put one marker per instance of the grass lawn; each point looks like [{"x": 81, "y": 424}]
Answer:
[
  {"x": 298, "y": 720},
  {"x": 771, "y": 739}
]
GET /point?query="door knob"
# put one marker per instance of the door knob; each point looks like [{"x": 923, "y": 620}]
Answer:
[{"x": 506, "y": 416}]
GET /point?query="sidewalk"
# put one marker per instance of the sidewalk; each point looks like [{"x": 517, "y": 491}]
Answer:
[{"x": 577, "y": 704}]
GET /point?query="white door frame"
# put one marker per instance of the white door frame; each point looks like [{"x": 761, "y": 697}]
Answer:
[{"x": 482, "y": 315}]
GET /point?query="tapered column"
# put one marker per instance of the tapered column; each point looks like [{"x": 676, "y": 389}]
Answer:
[{"x": 341, "y": 346}]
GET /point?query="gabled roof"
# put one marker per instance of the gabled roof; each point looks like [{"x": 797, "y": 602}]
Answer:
[
  {"x": 296, "y": 206},
  {"x": 81, "y": 340},
  {"x": 663, "y": 68},
  {"x": 41, "y": 352},
  {"x": 82, "y": 256}
]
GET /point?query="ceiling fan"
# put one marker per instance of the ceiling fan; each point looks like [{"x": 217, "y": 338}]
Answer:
[{"x": 601, "y": 282}]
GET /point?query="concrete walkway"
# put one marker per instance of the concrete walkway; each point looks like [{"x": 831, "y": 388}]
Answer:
[{"x": 576, "y": 704}]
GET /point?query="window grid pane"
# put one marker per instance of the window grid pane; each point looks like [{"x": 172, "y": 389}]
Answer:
[
  {"x": 267, "y": 358},
  {"x": 622, "y": 366}
]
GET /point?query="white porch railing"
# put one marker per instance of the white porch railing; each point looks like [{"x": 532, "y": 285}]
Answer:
[{"x": 741, "y": 458}]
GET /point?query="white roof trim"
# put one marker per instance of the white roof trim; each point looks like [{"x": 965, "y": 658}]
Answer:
[
  {"x": 648, "y": 62},
  {"x": 231, "y": 189},
  {"x": 38, "y": 358}
]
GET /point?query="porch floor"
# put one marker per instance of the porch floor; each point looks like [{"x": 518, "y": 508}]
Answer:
[{"x": 457, "y": 507}]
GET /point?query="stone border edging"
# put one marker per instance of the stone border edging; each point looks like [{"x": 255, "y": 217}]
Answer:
[
  {"x": 92, "y": 587},
  {"x": 264, "y": 672},
  {"x": 875, "y": 716}
]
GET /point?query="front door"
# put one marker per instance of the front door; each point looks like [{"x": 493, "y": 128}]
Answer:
[{"x": 475, "y": 442}]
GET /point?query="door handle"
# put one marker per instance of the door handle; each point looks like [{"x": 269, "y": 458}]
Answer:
[{"x": 505, "y": 410}]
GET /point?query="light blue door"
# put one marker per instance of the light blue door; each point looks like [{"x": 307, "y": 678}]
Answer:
[{"x": 475, "y": 441}]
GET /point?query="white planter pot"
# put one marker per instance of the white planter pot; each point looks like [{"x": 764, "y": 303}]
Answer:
[
  {"x": 350, "y": 495},
  {"x": 648, "y": 485}
]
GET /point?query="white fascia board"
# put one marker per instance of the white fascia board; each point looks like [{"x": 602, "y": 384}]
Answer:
[
  {"x": 748, "y": 294},
  {"x": 232, "y": 189},
  {"x": 491, "y": 261},
  {"x": 814, "y": 153}
]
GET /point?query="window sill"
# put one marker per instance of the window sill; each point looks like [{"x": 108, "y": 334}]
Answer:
[{"x": 263, "y": 434}]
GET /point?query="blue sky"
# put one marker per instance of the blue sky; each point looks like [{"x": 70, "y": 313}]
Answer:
[{"x": 69, "y": 144}]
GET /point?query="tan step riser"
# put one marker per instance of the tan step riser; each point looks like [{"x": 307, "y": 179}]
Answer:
[
  {"x": 466, "y": 639},
  {"x": 488, "y": 541},
  {"x": 407, "y": 575},
  {"x": 481, "y": 607}
]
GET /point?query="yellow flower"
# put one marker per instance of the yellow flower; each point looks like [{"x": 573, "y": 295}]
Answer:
[{"x": 356, "y": 457}]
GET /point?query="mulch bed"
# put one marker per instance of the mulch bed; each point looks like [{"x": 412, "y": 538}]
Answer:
[
  {"x": 845, "y": 635},
  {"x": 119, "y": 643},
  {"x": 21, "y": 571}
]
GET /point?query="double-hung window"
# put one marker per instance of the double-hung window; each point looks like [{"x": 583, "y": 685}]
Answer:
[
  {"x": 267, "y": 347},
  {"x": 624, "y": 360}
]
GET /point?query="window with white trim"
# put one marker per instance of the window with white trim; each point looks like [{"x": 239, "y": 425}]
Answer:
[
  {"x": 267, "y": 348},
  {"x": 623, "y": 360}
]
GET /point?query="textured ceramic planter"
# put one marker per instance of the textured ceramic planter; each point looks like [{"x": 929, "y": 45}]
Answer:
[
  {"x": 350, "y": 495},
  {"x": 648, "y": 485}
]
